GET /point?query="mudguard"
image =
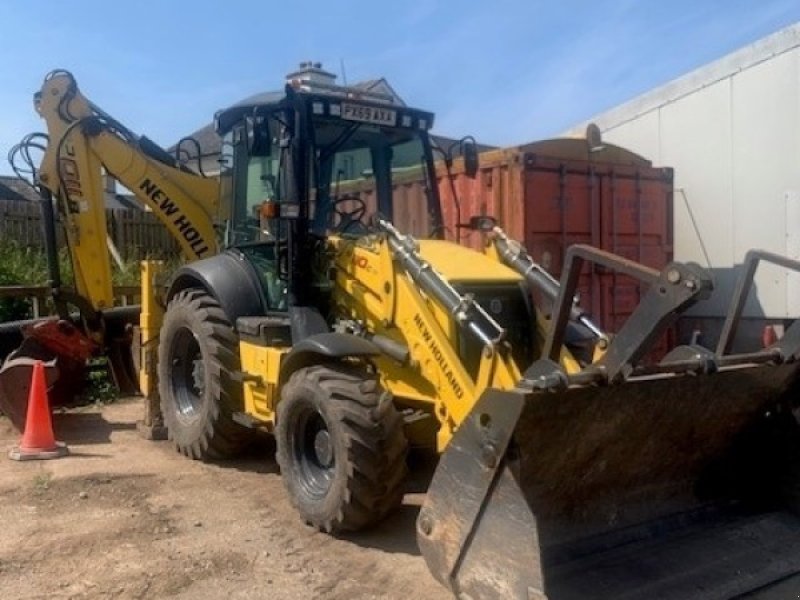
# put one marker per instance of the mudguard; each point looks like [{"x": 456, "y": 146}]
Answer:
[
  {"x": 229, "y": 278},
  {"x": 330, "y": 345}
]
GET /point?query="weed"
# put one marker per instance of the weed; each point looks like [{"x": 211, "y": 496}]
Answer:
[
  {"x": 41, "y": 482},
  {"x": 100, "y": 389},
  {"x": 23, "y": 265}
]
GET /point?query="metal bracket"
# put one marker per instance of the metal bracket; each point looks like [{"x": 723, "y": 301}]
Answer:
[
  {"x": 244, "y": 377},
  {"x": 789, "y": 345},
  {"x": 670, "y": 292}
]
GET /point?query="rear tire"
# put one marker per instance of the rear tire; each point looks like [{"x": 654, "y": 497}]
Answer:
[
  {"x": 341, "y": 447},
  {"x": 198, "y": 350}
]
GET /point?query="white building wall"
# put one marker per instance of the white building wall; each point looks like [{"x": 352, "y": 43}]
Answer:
[{"x": 731, "y": 131}]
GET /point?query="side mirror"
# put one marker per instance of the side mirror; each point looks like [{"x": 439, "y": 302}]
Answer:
[
  {"x": 470, "y": 152},
  {"x": 257, "y": 135}
]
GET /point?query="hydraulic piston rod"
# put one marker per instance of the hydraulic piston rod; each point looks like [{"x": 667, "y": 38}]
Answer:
[
  {"x": 467, "y": 313},
  {"x": 514, "y": 256}
]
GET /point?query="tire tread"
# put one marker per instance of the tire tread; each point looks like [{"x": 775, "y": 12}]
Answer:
[
  {"x": 221, "y": 437},
  {"x": 376, "y": 446}
]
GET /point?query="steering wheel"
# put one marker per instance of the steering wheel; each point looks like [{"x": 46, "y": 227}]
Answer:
[{"x": 347, "y": 218}]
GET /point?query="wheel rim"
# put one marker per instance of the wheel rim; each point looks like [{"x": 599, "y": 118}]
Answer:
[
  {"x": 313, "y": 453},
  {"x": 188, "y": 373}
]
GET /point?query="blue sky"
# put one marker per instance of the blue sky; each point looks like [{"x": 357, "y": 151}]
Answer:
[{"x": 507, "y": 72}]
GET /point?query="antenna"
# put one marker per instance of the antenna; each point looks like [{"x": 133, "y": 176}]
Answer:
[{"x": 344, "y": 74}]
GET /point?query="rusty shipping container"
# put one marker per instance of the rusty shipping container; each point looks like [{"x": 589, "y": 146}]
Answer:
[{"x": 555, "y": 193}]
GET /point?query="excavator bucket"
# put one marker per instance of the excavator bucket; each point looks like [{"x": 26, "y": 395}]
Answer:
[
  {"x": 64, "y": 352},
  {"x": 15, "y": 382},
  {"x": 673, "y": 481},
  {"x": 64, "y": 349}
]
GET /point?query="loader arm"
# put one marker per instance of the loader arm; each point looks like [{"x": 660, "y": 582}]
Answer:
[
  {"x": 423, "y": 312},
  {"x": 414, "y": 313},
  {"x": 84, "y": 142}
]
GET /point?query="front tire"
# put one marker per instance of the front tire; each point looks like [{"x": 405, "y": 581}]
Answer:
[
  {"x": 197, "y": 352},
  {"x": 340, "y": 447}
]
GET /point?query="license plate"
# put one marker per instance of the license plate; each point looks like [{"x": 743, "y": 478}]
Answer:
[{"x": 368, "y": 114}]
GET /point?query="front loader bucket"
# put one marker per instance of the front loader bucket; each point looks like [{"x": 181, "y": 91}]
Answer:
[
  {"x": 675, "y": 481},
  {"x": 673, "y": 487}
]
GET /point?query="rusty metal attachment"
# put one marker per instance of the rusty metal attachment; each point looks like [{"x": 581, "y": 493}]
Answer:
[{"x": 64, "y": 351}]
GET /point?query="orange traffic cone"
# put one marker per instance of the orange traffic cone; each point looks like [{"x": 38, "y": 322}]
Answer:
[{"x": 38, "y": 441}]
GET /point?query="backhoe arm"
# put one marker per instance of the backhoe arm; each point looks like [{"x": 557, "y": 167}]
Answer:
[{"x": 84, "y": 141}]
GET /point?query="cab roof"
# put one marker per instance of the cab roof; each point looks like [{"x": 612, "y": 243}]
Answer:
[{"x": 325, "y": 100}]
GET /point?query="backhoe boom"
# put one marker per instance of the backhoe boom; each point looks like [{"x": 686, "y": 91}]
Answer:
[{"x": 84, "y": 142}]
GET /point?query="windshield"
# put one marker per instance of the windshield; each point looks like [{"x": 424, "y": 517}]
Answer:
[
  {"x": 356, "y": 171},
  {"x": 364, "y": 170},
  {"x": 277, "y": 171}
]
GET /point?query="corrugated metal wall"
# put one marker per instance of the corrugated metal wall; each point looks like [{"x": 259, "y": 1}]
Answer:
[{"x": 734, "y": 143}]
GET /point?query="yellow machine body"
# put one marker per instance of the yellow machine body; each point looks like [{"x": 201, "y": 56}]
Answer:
[
  {"x": 84, "y": 145},
  {"x": 261, "y": 390},
  {"x": 368, "y": 288}
]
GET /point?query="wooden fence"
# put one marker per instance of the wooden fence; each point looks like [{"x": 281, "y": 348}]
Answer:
[{"x": 137, "y": 234}]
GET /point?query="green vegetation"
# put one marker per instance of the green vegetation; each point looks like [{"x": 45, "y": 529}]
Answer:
[
  {"x": 20, "y": 265},
  {"x": 23, "y": 266},
  {"x": 99, "y": 388}
]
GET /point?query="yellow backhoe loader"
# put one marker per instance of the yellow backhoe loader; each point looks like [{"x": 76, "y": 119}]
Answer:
[
  {"x": 338, "y": 319},
  {"x": 570, "y": 467}
]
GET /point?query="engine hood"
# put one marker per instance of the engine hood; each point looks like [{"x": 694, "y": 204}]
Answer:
[{"x": 460, "y": 264}]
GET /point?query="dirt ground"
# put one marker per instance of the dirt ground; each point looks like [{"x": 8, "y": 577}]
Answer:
[{"x": 123, "y": 517}]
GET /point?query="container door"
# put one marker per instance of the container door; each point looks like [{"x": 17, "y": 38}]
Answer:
[{"x": 562, "y": 208}]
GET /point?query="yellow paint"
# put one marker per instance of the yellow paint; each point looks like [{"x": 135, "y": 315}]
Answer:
[
  {"x": 261, "y": 395},
  {"x": 458, "y": 263},
  {"x": 150, "y": 319},
  {"x": 370, "y": 289}
]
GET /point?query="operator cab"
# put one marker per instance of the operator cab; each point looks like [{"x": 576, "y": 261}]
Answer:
[
  {"x": 333, "y": 153},
  {"x": 317, "y": 161}
]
